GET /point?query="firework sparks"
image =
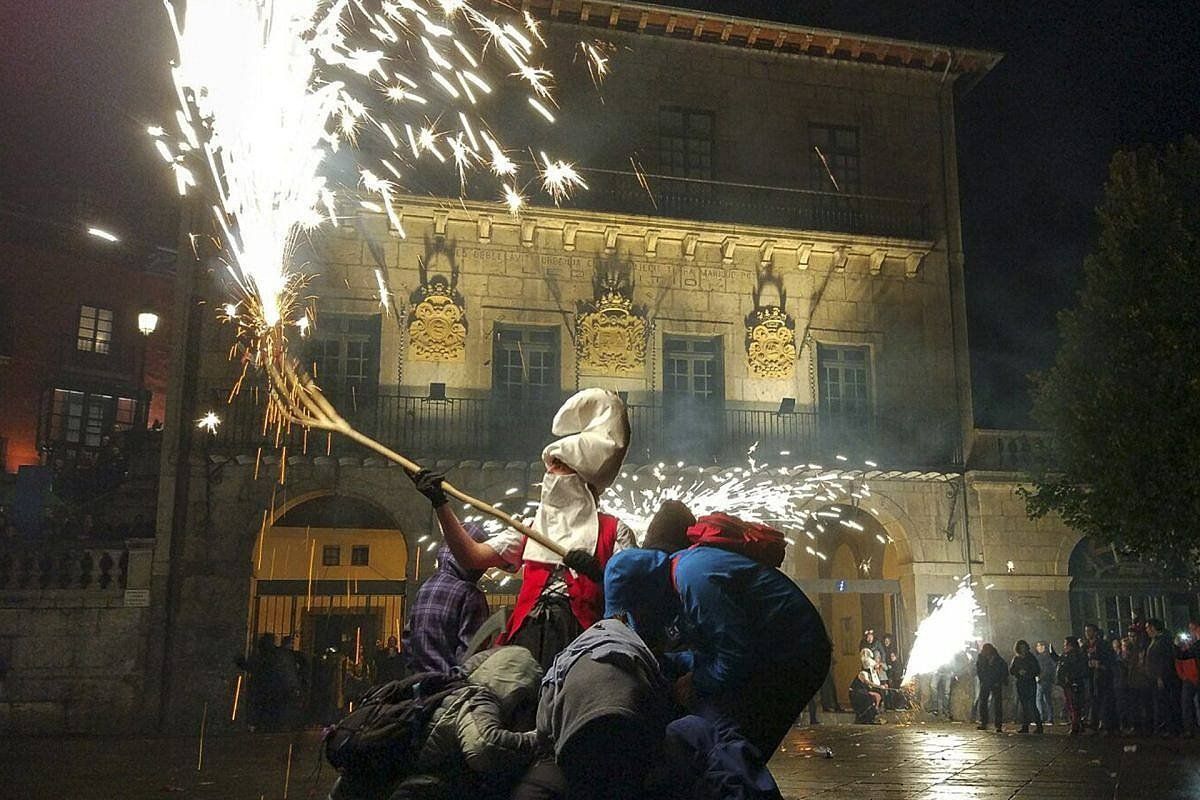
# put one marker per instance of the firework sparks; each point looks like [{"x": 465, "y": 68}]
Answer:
[
  {"x": 268, "y": 91},
  {"x": 559, "y": 178},
  {"x": 597, "y": 61},
  {"x": 209, "y": 422},
  {"x": 945, "y": 633}
]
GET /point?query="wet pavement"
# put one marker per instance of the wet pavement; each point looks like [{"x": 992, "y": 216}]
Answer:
[{"x": 884, "y": 762}]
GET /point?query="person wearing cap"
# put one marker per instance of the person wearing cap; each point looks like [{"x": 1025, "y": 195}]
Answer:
[
  {"x": 560, "y": 596},
  {"x": 754, "y": 648}
]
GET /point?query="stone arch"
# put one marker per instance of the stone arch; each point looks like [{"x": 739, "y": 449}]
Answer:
[
  {"x": 1067, "y": 543},
  {"x": 895, "y": 519}
]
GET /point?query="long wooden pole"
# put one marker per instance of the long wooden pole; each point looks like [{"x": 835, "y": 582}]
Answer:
[{"x": 302, "y": 401}]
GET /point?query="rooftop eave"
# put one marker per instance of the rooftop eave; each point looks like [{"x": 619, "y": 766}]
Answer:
[{"x": 767, "y": 36}]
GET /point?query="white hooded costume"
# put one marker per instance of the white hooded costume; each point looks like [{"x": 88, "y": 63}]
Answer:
[{"x": 594, "y": 428}]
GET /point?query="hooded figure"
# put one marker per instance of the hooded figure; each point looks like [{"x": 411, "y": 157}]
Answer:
[
  {"x": 448, "y": 609},
  {"x": 559, "y": 596},
  {"x": 754, "y": 647},
  {"x": 595, "y": 431}
]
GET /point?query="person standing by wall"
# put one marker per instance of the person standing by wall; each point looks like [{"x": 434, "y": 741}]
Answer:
[
  {"x": 1026, "y": 671},
  {"x": 1072, "y": 676},
  {"x": 1047, "y": 666},
  {"x": 1100, "y": 661},
  {"x": 993, "y": 674},
  {"x": 1160, "y": 664}
]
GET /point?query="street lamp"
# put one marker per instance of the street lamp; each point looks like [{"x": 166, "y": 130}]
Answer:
[{"x": 147, "y": 322}]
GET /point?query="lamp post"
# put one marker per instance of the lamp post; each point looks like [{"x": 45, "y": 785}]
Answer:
[{"x": 147, "y": 322}]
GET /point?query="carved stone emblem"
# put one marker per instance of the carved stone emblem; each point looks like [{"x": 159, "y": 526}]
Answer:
[
  {"x": 770, "y": 330},
  {"x": 771, "y": 343},
  {"x": 611, "y": 331},
  {"x": 437, "y": 325}
]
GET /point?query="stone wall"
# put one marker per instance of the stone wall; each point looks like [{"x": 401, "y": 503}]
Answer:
[{"x": 74, "y": 658}]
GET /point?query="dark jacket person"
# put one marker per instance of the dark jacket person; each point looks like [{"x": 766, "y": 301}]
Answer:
[{"x": 754, "y": 649}]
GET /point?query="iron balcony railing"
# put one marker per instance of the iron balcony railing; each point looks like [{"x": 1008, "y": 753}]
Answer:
[
  {"x": 701, "y": 200},
  {"x": 508, "y": 429},
  {"x": 749, "y": 204}
]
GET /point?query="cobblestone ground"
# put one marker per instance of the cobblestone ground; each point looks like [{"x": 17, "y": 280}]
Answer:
[{"x": 889, "y": 762}]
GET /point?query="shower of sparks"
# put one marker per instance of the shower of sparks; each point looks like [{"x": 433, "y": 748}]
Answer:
[
  {"x": 558, "y": 178},
  {"x": 269, "y": 91},
  {"x": 209, "y": 422},
  {"x": 945, "y": 633},
  {"x": 596, "y": 60}
]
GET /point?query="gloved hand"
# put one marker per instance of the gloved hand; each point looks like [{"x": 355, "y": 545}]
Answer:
[
  {"x": 429, "y": 483},
  {"x": 584, "y": 563}
]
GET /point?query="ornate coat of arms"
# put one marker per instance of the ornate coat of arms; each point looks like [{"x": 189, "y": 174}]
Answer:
[
  {"x": 771, "y": 343},
  {"x": 437, "y": 324},
  {"x": 770, "y": 331},
  {"x": 611, "y": 332}
]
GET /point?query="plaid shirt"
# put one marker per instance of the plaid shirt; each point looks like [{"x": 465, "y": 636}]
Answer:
[{"x": 448, "y": 610}]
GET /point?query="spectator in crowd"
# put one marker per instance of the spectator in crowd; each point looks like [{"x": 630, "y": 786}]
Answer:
[
  {"x": 1047, "y": 666},
  {"x": 993, "y": 674},
  {"x": 1026, "y": 671},
  {"x": 1101, "y": 662},
  {"x": 1160, "y": 665},
  {"x": 940, "y": 684},
  {"x": 274, "y": 685},
  {"x": 866, "y": 695},
  {"x": 869, "y": 641},
  {"x": 389, "y": 661},
  {"x": 1121, "y": 674},
  {"x": 1187, "y": 661},
  {"x": 1139, "y": 689},
  {"x": 891, "y": 659},
  {"x": 1072, "y": 676}
]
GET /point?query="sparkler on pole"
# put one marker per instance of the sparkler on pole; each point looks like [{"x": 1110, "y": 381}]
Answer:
[{"x": 268, "y": 90}]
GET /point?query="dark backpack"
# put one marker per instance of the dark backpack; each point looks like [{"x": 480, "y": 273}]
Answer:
[
  {"x": 377, "y": 743},
  {"x": 760, "y": 542}
]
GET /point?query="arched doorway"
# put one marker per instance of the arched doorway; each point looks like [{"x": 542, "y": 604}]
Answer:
[
  {"x": 1109, "y": 588},
  {"x": 328, "y": 580},
  {"x": 856, "y": 585}
]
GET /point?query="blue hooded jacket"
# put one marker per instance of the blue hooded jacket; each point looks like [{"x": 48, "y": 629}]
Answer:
[{"x": 735, "y": 615}]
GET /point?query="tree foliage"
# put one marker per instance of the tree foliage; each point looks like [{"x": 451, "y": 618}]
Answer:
[{"x": 1122, "y": 401}]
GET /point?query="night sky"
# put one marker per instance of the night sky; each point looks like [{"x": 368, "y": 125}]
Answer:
[{"x": 79, "y": 82}]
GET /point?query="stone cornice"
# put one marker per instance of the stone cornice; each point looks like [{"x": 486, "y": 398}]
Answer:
[{"x": 778, "y": 247}]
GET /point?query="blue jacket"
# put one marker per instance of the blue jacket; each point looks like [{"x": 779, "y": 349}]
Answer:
[{"x": 735, "y": 615}]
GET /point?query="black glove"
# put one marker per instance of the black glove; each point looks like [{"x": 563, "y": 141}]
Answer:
[
  {"x": 429, "y": 484},
  {"x": 584, "y": 563}
]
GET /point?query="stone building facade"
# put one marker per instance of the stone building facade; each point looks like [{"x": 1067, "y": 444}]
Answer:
[{"x": 785, "y": 269}]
